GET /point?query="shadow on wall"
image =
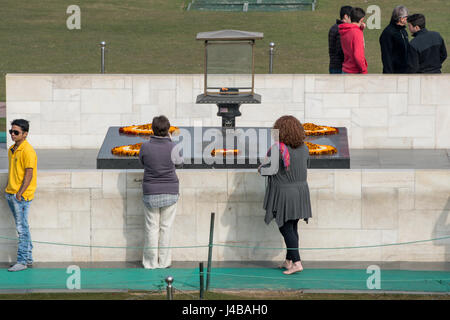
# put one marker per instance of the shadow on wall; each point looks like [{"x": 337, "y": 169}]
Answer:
[
  {"x": 8, "y": 248},
  {"x": 133, "y": 216},
  {"x": 240, "y": 222},
  {"x": 442, "y": 229}
]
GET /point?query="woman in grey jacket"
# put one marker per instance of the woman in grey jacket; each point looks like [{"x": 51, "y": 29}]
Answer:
[
  {"x": 287, "y": 198},
  {"x": 161, "y": 190}
]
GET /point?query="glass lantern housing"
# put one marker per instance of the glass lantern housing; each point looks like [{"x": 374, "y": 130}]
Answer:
[{"x": 229, "y": 62}]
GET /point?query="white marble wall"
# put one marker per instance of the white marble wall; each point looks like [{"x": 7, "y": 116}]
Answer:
[
  {"x": 350, "y": 208},
  {"x": 74, "y": 111}
]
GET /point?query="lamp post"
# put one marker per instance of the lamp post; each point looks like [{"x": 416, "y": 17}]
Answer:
[
  {"x": 102, "y": 48},
  {"x": 271, "y": 52}
]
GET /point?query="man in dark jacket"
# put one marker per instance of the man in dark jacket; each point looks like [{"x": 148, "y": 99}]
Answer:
[
  {"x": 334, "y": 41},
  {"x": 427, "y": 49},
  {"x": 394, "y": 43}
]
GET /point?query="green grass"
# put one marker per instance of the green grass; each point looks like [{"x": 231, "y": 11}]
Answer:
[{"x": 158, "y": 36}]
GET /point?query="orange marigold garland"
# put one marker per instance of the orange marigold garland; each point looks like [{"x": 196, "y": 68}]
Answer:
[
  {"x": 128, "y": 150},
  {"x": 314, "y": 130},
  {"x": 224, "y": 152},
  {"x": 144, "y": 129},
  {"x": 316, "y": 149}
]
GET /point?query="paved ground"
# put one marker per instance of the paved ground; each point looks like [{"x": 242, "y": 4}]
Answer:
[{"x": 59, "y": 159}]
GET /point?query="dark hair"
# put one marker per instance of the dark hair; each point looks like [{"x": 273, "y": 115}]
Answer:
[
  {"x": 160, "y": 126},
  {"x": 22, "y": 123},
  {"x": 290, "y": 130},
  {"x": 417, "y": 19},
  {"x": 345, "y": 10},
  {"x": 357, "y": 14}
]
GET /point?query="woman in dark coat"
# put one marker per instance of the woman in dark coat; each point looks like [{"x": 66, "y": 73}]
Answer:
[{"x": 287, "y": 198}]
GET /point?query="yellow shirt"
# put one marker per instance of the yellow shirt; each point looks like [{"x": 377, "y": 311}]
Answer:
[{"x": 24, "y": 157}]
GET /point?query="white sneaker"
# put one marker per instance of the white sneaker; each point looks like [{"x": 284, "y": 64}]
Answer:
[{"x": 17, "y": 267}]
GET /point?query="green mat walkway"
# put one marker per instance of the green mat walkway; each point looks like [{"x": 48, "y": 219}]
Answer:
[{"x": 227, "y": 278}]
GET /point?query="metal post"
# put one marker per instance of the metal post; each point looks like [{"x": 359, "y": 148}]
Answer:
[
  {"x": 211, "y": 235},
  {"x": 271, "y": 51},
  {"x": 169, "y": 288},
  {"x": 102, "y": 46},
  {"x": 202, "y": 280}
]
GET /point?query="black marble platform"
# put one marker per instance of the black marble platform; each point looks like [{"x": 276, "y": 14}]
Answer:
[{"x": 254, "y": 143}]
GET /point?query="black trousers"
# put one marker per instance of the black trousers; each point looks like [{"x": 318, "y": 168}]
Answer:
[{"x": 290, "y": 235}]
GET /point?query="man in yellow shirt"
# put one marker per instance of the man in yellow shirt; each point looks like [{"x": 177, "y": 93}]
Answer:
[{"x": 22, "y": 167}]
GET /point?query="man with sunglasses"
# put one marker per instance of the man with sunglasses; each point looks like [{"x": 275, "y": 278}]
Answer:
[{"x": 22, "y": 165}]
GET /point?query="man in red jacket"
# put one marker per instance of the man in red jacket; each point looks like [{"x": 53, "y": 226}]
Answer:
[{"x": 352, "y": 42}]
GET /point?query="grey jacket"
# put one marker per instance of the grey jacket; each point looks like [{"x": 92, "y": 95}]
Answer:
[
  {"x": 159, "y": 166},
  {"x": 287, "y": 193}
]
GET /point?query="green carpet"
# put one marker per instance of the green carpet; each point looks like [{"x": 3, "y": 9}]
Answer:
[{"x": 228, "y": 278}]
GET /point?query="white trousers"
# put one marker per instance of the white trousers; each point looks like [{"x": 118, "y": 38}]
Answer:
[{"x": 158, "y": 222}]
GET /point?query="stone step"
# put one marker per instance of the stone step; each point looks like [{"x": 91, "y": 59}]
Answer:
[{"x": 252, "y": 5}]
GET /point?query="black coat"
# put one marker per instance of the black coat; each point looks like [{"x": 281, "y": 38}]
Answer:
[
  {"x": 334, "y": 47},
  {"x": 394, "y": 49},
  {"x": 427, "y": 52}
]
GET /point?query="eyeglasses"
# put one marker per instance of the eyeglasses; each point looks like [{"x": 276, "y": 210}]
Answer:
[{"x": 16, "y": 132}]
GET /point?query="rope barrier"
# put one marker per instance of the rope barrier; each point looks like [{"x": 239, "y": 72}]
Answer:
[
  {"x": 186, "y": 293},
  {"x": 105, "y": 247},
  {"x": 231, "y": 246},
  {"x": 338, "y": 248}
]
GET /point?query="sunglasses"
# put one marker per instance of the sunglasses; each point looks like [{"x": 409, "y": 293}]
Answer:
[{"x": 16, "y": 132}]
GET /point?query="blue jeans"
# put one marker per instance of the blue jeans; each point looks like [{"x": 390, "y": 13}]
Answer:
[{"x": 20, "y": 210}]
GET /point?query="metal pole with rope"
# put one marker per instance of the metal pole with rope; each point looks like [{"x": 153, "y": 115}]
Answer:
[
  {"x": 211, "y": 236},
  {"x": 169, "y": 288}
]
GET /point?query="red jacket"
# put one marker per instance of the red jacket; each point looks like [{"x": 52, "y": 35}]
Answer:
[{"x": 352, "y": 42}]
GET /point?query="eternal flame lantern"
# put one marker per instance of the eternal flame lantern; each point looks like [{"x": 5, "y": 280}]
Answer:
[{"x": 229, "y": 76}]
